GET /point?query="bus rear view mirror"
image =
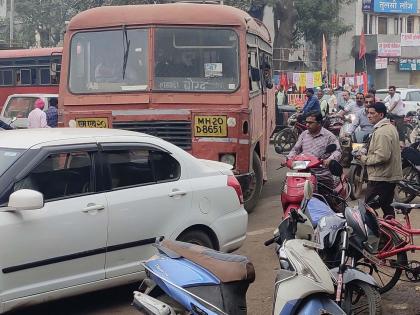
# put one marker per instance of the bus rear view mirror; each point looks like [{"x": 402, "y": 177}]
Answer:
[{"x": 255, "y": 74}]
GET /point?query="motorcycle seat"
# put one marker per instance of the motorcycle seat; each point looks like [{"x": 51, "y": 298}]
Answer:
[
  {"x": 227, "y": 267},
  {"x": 405, "y": 207}
]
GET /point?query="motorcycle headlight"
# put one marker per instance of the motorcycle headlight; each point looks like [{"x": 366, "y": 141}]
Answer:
[
  {"x": 300, "y": 165},
  {"x": 228, "y": 159},
  {"x": 302, "y": 267}
]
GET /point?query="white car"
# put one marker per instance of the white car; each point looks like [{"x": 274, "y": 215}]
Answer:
[
  {"x": 20, "y": 105},
  {"x": 80, "y": 208},
  {"x": 410, "y": 97}
]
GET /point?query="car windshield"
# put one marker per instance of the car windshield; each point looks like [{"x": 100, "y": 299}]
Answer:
[
  {"x": 196, "y": 59},
  {"x": 8, "y": 157},
  {"x": 19, "y": 107},
  {"x": 109, "y": 61}
]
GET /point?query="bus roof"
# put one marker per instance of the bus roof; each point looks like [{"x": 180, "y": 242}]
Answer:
[
  {"x": 167, "y": 14},
  {"x": 32, "y": 52}
]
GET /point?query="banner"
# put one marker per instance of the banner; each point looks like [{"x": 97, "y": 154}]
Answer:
[
  {"x": 410, "y": 40},
  {"x": 410, "y": 64},
  {"x": 317, "y": 78},
  {"x": 395, "y": 6},
  {"x": 302, "y": 79},
  {"x": 389, "y": 49},
  {"x": 381, "y": 63},
  {"x": 310, "y": 80}
]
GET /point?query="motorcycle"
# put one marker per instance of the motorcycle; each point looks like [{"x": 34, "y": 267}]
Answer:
[
  {"x": 189, "y": 279},
  {"x": 354, "y": 290},
  {"x": 358, "y": 171},
  {"x": 292, "y": 193},
  {"x": 409, "y": 188},
  {"x": 344, "y": 241},
  {"x": 7, "y": 126}
]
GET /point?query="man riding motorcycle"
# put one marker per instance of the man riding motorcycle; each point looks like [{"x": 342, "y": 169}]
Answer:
[
  {"x": 314, "y": 141},
  {"x": 361, "y": 119}
]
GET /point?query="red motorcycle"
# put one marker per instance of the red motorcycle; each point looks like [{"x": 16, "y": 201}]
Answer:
[{"x": 292, "y": 194}]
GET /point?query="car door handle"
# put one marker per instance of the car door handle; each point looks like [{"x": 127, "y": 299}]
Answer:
[
  {"x": 91, "y": 207},
  {"x": 176, "y": 192}
]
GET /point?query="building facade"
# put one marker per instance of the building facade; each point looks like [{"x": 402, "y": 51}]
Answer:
[{"x": 392, "y": 36}]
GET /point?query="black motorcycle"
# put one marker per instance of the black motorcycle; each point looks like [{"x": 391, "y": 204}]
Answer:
[{"x": 409, "y": 187}]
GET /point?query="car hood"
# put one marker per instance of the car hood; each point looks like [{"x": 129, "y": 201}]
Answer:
[{"x": 224, "y": 168}]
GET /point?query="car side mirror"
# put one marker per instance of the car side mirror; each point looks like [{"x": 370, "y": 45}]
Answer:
[
  {"x": 25, "y": 199},
  {"x": 255, "y": 74}
]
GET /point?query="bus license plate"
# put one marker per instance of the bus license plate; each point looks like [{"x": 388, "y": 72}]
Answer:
[
  {"x": 92, "y": 122},
  {"x": 210, "y": 126}
]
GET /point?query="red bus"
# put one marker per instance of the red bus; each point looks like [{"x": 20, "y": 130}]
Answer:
[
  {"x": 34, "y": 70},
  {"x": 192, "y": 74}
]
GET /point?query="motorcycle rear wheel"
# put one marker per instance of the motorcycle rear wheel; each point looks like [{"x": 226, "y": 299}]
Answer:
[
  {"x": 285, "y": 140},
  {"x": 410, "y": 175}
]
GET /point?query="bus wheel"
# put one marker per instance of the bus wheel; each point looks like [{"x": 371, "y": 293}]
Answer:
[{"x": 252, "y": 194}]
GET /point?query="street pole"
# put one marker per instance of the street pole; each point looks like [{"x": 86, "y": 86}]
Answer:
[{"x": 11, "y": 18}]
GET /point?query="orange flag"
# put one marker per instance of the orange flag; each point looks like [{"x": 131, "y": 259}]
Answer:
[{"x": 362, "y": 45}]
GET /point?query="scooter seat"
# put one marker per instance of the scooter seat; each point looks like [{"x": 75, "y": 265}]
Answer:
[{"x": 227, "y": 267}]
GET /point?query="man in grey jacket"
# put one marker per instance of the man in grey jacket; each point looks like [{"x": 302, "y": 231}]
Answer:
[{"x": 383, "y": 159}]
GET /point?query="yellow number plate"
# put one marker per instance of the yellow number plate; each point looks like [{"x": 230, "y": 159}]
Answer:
[
  {"x": 210, "y": 126},
  {"x": 92, "y": 122}
]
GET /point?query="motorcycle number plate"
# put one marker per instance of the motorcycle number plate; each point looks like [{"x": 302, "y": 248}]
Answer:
[{"x": 296, "y": 174}]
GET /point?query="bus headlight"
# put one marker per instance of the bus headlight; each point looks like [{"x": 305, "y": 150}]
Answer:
[{"x": 228, "y": 158}]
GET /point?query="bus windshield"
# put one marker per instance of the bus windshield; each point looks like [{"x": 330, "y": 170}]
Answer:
[
  {"x": 196, "y": 59},
  {"x": 109, "y": 61}
]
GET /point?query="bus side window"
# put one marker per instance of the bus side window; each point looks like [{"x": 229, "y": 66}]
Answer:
[{"x": 254, "y": 84}]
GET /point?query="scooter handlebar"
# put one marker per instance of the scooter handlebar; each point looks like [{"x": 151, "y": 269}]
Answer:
[{"x": 270, "y": 241}]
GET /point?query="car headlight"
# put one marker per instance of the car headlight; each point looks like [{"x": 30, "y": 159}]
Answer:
[
  {"x": 300, "y": 165},
  {"x": 228, "y": 159}
]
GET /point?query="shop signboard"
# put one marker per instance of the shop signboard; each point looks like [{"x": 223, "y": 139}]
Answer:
[
  {"x": 381, "y": 63},
  {"x": 410, "y": 64},
  {"x": 410, "y": 39},
  {"x": 367, "y": 5},
  {"x": 395, "y": 6},
  {"x": 389, "y": 49}
]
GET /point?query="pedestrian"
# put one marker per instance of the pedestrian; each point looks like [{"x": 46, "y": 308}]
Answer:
[
  {"x": 37, "y": 117},
  {"x": 312, "y": 103},
  {"x": 281, "y": 96},
  {"x": 383, "y": 159},
  {"x": 322, "y": 102},
  {"x": 52, "y": 113},
  {"x": 332, "y": 100},
  {"x": 396, "y": 112}
]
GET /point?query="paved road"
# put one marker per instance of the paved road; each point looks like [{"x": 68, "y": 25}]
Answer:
[{"x": 403, "y": 300}]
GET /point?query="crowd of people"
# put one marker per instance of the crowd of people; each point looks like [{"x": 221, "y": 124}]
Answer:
[{"x": 381, "y": 156}]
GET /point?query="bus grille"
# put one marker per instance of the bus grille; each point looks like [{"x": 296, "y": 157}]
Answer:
[{"x": 175, "y": 132}]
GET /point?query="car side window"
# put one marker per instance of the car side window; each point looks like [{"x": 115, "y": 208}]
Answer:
[
  {"x": 413, "y": 96},
  {"x": 130, "y": 167},
  {"x": 60, "y": 175},
  {"x": 166, "y": 166}
]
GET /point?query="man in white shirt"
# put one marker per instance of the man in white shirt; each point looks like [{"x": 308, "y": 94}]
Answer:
[
  {"x": 332, "y": 100},
  {"x": 37, "y": 117},
  {"x": 396, "y": 111},
  {"x": 350, "y": 107}
]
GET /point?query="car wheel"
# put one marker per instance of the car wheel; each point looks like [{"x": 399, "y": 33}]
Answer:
[{"x": 196, "y": 237}]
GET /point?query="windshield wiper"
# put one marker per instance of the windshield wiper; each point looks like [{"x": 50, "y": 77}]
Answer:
[{"x": 126, "y": 46}]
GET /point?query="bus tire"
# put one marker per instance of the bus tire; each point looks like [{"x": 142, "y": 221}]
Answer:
[{"x": 254, "y": 191}]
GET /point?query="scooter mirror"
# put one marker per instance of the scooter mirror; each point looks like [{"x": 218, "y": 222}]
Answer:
[
  {"x": 331, "y": 148},
  {"x": 335, "y": 168},
  {"x": 308, "y": 190},
  {"x": 13, "y": 120}
]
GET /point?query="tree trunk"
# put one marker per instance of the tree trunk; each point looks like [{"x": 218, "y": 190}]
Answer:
[{"x": 285, "y": 12}]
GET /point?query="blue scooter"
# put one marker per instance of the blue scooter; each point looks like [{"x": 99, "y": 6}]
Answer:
[{"x": 189, "y": 279}]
